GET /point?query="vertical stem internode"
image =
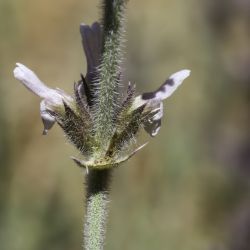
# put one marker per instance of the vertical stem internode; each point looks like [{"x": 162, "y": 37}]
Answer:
[
  {"x": 96, "y": 208},
  {"x": 107, "y": 98}
]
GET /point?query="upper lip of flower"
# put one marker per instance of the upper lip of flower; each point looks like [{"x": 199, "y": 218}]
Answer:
[
  {"x": 34, "y": 84},
  {"x": 51, "y": 97},
  {"x": 153, "y": 101}
]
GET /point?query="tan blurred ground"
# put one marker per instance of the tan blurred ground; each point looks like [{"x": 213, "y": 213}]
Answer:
[{"x": 189, "y": 188}]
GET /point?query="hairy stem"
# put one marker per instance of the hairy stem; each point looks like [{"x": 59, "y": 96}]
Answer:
[
  {"x": 96, "y": 208},
  {"x": 106, "y": 106},
  {"x": 107, "y": 98}
]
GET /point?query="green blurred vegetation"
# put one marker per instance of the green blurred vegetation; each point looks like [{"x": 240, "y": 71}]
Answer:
[{"x": 189, "y": 188}]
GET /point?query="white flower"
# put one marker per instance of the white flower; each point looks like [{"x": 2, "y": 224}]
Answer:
[
  {"x": 51, "y": 97},
  {"x": 153, "y": 101}
]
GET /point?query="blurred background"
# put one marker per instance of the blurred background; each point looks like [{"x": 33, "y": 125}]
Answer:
[{"x": 189, "y": 189}]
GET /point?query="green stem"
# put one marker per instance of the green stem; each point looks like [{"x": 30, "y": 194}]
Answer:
[
  {"x": 106, "y": 107},
  {"x": 107, "y": 98},
  {"x": 97, "y": 182}
]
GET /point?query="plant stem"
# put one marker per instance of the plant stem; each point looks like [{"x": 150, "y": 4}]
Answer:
[
  {"x": 106, "y": 107},
  {"x": 97, "y": 182},
  {"x": 107, "y": 98}
]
